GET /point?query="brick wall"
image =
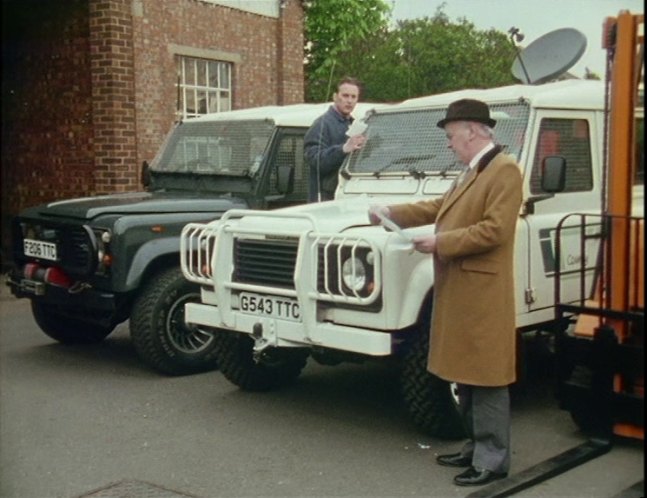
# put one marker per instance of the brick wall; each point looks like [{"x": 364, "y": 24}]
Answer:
[
  {"x": 89, "y": 86},
  {"x": 113, "y": 100},
  {"x": 267, "y": 71},
  {"x": 47, "y": 137}
]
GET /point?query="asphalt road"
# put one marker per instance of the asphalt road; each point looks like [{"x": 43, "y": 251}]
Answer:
[{"x": 94, "y": 422}]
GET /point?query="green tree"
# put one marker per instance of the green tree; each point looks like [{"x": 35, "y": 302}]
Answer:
[
  {"x": 428, "y": 56},
  {"x": 331, "y": 26}
]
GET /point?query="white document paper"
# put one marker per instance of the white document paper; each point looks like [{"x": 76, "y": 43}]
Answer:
[
  {"x": 391, "y": 225},
  {"x": 356, "y": 128}
]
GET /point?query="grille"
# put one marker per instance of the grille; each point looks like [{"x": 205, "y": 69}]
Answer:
[
  {"x": 78, "y": 251},
  {"x": 76, "y": 246},
  {"x": 265, "y": 262}
]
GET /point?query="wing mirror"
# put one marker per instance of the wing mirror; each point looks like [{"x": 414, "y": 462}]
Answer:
[
  {"x": 553, "y": 181},
  {"x": 553, "y": 176},
  {"x": 285, "y": 179}
]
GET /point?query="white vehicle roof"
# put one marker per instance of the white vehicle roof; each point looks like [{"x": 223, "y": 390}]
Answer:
[
  {"x": 567, "y": 94},
  {"x": 287, "y": 115}
]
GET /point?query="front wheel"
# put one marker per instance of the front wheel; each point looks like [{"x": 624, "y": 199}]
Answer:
[
  {"x": 66, "y": 329},
  {"x": 276, "y": 367},
  {"x": 428, "y": 398},
  {"x": 158, "y": 330}
]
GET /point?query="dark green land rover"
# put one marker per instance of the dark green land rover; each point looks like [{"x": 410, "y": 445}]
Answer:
[{"x": 89, "y": 264}]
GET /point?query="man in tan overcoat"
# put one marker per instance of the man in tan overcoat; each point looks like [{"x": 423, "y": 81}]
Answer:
[{"x": 472, "y": 339}]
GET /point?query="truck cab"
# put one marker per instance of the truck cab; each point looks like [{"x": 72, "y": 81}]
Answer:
[
  {"x": 319, "y": 281},
  {"x": 88, "y": 264}
]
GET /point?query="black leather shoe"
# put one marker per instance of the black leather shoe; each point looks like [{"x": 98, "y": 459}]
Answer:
[
  {"x": 454, "y": 460},
  {"x": 478, "y": 477}
]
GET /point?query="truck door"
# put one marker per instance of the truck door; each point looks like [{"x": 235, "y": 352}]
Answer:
[
  {"x": 287, "y": 152},
  {"x": 576, "y": 136}
]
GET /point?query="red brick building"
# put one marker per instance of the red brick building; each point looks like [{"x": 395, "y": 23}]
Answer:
[{"x": 91, "y": 87}]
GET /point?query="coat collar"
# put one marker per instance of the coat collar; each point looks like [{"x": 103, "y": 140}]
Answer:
[
  {"x": 487, "y": 158},
  {"x": 472, "y": 174}
]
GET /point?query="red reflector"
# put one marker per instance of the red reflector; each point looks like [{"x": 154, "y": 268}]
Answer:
[
  {"x": 55, "y": 276},
  {"x": 29, "y": 270}
]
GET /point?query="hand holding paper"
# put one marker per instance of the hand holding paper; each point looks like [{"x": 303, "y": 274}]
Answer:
[
  {"x": 356, "y": 128},
  {"x": 381, "y": 213}
]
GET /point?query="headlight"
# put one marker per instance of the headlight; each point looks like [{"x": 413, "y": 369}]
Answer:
[
  {"x": 104, "y": 257},
  {"x": 353, "y": 274}
]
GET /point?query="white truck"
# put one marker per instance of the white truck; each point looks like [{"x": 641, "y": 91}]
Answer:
[{"x": 319, "y": 281}]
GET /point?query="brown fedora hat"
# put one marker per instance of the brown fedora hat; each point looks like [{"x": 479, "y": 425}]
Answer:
[{"x": 468, "y": 110}]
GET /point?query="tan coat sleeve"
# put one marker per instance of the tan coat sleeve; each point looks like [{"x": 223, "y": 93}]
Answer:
[{"x": 416, "y": 214}]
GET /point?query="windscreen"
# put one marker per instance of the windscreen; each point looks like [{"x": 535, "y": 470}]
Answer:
[
  {"x": 409, "y": 141},
  {"x": 232, "y": 148}
]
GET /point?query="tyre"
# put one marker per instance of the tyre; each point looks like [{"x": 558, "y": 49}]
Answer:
[
  {"x": 65, "y": 329},
  {"x": 158, "y": 331},
  {"x": 428, "y": 398},
  {"x": 277, "y": 368},
  {"x": 593, "y": 419}
]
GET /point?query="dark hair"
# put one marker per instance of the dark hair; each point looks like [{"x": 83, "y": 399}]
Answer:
[{"x": 349, "y": 80}]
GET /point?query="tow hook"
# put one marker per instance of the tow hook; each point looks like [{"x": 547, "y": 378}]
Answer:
[
  {"x": 79, "y": 287},
  {"x": 260, "y": 344}
]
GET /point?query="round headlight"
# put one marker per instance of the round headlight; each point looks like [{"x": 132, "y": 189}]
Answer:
[{"x": 353, "y": 273}]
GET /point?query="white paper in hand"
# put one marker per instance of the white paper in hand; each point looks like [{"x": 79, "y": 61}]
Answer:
[
  {"x": 356, "y": 128},
  {"x": 391, "y": 225}
]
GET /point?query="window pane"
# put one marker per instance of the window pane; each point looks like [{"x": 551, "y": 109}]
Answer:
[
  {"x": 225, "y": 104},
  {"x": 213, "y": 74},
  {"x": 201, "y": 69},
  {"x": 224, "y": 76},
  {"x": 202, "y": 102},
  {"x": 213, "y": 102},
  {"x": 189, "y": 72},
  {"x": 190, "y": 101}
]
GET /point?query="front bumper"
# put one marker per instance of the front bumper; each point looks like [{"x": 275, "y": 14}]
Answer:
[
  {"x": 273, "y": 332},
  {"x": 79, "y": 297}
]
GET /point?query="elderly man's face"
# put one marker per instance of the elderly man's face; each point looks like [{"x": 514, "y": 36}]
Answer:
[{"x": 459, "y": 135}]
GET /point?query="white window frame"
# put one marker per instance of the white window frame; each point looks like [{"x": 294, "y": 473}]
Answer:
[
  {"x": 229, "y": 59},
  {"x": 205, "y": 86},
  {"x": 269, "y": 8}
]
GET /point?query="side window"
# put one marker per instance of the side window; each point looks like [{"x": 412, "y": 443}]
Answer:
[
  {"x": 571, "y": 139},
  {"x": 289, "y": 152}
]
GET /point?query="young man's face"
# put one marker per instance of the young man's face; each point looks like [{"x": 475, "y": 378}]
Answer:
[{"x": 346, "y": 98}]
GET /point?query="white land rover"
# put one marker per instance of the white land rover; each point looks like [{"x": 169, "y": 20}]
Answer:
[{"x": 319, "y": 281}]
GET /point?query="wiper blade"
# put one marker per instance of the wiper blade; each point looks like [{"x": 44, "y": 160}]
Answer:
[
  {"x": 446, "y": 168},
  {"x": 404, "y": 160}
]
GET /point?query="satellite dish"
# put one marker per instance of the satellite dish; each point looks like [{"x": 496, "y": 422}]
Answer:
[{"x": 549, "y": 56}]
